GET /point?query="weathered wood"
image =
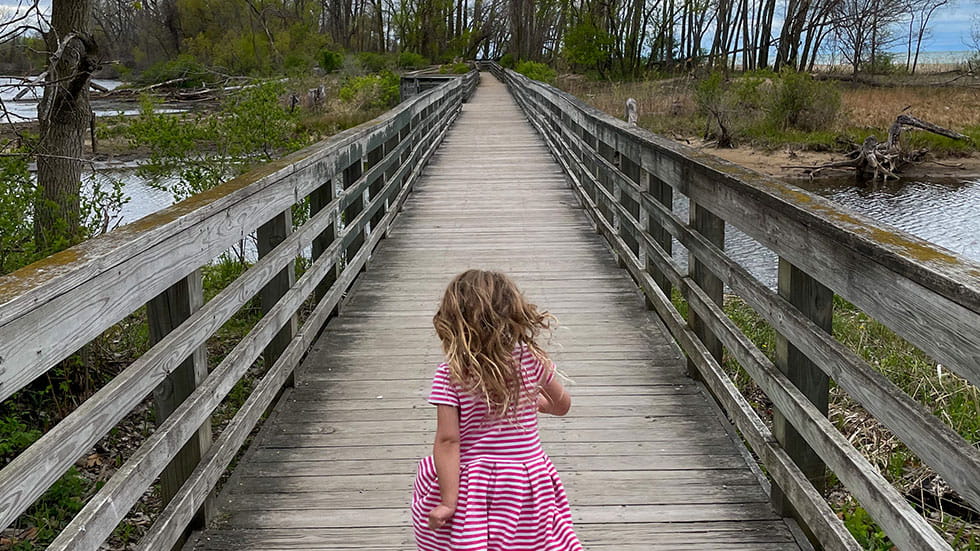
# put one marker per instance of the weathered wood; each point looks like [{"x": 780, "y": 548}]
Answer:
[
  {"x": 269, "y": 236},
  {"x": 899, "y": 518},
  {"x": 816, "y": 302},
  {"x": 64, "y": 295},
  {"x": 712, "y": 228},
  {"x": 165, "y": 531},
  {"x": 164, "y": 314},
  {"x": 355, "y": 425},
  {"x": 24, "y": 479}
]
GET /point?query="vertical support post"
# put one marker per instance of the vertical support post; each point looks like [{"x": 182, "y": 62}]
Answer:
[
  {"x": 164, "y": 313},
  {"x": 319, "y": 199},
  {"x": 663, "y": 194},
  {"x": 713, "y": 229},
  {"x": 351, "y": 174},
  {"x": 271, "y": 234},
  {"x": 816, "y": 302}
]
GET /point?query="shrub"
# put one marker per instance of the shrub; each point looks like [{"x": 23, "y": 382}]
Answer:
[
  {"x": 803, "y": 103},
  {"x": 184, "y": 66},
  {"x": 297, "y": 63},
  {"x": 454, "y": 69},
  {"x": 331, "y": 61},
  {"x": 379, "y": 90},
  {"x": 507, "y": 61},
  {"x": 411, "y": 60},
  {"x": 537, "y": 71},
  {"x": 372, "y": 62}
]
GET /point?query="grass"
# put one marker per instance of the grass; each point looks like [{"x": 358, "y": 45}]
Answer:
[
  {"x": 951, "y": 398},
  {"x": 668, "y": 107}
]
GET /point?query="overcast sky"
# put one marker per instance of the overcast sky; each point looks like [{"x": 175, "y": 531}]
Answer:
[{"x": 950, "y": 26}]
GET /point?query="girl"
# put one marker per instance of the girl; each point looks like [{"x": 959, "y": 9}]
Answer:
[{"x": 488, "y": 485}]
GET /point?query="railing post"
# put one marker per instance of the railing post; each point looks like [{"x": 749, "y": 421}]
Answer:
[
  {"x": 663, "y": 194},
  {"x": 164, "y": 313},
  {"x": 713, "y": 229},
  {"x": 271, "y": 234},
  {"x": 319, "y": 199},
  {"x": 815, "y": 301}
]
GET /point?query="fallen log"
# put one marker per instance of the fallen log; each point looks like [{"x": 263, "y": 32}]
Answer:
[{"x": 884, "y": 160}]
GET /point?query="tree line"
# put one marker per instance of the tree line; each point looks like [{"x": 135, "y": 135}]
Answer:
[{"x": 611, "y": 37}]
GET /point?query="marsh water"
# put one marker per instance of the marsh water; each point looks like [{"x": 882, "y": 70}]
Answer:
[{"x": 944, "y": 212}]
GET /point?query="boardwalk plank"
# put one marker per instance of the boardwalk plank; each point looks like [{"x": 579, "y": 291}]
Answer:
[{"x": 647, "y": 461}]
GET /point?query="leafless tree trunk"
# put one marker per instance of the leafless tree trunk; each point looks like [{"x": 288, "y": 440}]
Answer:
[{"x": 63, "y": 114}]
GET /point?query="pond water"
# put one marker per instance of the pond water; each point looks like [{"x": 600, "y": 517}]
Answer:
[
  {"x": 944, "y": 212},
  {"x": 26, "y": 108}
]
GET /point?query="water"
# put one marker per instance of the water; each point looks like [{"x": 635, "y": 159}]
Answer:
[
  {"x": 943, "y": 212},
  {"x": 26, "y": 108}
]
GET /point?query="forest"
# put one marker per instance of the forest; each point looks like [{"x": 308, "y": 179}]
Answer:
[{"x": 619, "y": 38}]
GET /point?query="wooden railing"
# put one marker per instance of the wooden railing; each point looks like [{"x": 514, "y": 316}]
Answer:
[
  {"x": 354, "y": 184},
  {"x": 626, "y": 179}
]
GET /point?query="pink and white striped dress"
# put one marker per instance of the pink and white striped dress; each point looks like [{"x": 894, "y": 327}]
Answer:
[{"x": 510, "y": 495}]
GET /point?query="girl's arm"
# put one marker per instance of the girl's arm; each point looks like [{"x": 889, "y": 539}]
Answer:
[
  {"x": 553, "y": 399},
  {"x": 445, "y": 451}
]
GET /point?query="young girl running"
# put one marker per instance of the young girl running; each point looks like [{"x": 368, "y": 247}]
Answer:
[{"x": 488, "y": 485}]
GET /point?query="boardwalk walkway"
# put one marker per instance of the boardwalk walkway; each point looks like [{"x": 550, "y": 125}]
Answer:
[{"x": 646, "y": 459}]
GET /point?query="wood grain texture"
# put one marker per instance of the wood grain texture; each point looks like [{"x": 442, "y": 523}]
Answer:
[
  {"x": 333, "y": 467},
  {"x": 924, "y": 433}
]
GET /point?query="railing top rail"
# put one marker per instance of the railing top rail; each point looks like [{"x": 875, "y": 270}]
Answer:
[
  {"x": 946, "y": 272},
  {"x": 32, "y": 285}
]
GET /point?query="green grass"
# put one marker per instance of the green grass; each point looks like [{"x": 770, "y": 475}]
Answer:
[{"x": 948, "y": 396}]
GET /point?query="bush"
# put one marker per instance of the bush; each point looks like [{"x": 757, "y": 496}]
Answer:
[
  {"x": 372, "y": 62},
  {"x": 184, "y": 66},
  {"x": 537, "y": 71},
  {"x": 803, "y": 103},
  {"x": 297, "y": 63},
  {"x": 331, "y": 61},
  {"x": 411, "y": 60},
  {"x": 507, "y": 61},
  {"x": 454, "y": 69},
  {"x": 379, "y": 90}
]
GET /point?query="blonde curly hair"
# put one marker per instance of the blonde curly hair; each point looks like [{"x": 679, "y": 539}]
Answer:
[{"x": 483, "y": 316}]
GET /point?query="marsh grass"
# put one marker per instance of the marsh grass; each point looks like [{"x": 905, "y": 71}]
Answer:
[
  {"x": 668, "y": 107},
  {"x": 951, "y": 398}
]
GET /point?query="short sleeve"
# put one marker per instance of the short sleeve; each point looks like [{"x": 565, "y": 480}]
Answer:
[
  {"x": 443, "y": 390},
  {"x": 549, "y": 372}
]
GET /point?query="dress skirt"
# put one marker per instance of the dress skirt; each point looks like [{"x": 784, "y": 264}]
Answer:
[{"x": 502, "y": 506}]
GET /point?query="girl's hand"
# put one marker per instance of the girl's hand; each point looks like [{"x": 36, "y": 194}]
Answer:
[{"x": 439, "y": 516}]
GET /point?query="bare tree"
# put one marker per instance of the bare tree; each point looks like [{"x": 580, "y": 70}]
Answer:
[{"x": 63, "y": 116}]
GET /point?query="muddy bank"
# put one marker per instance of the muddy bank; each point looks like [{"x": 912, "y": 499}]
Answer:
[{"x": 775, "y": 163}]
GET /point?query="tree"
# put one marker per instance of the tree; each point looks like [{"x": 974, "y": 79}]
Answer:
[
  {"x": 920, "y": 12},
  {"x": 63, "y": 116}
]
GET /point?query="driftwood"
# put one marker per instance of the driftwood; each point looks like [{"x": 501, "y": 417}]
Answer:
[{"x": 874, "y": 159}]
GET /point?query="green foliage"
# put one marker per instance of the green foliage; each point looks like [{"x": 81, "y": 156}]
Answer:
[
  {"x": 804, "y": 103},
  {"x": 537, "y": 71},
  {"x": 184, "y": 66},
  {"x": 860, "y": 524},
  {"x": 454, "y": 69},
  {"x": 587, "y": 47},
  {"x": 53, "y": 510},
  {"x": 508, "y": 61},
  {"x": 15, "y": 436},
  {"x": 377, "y": 91},
  {"x": 883, "y": 64},
  {"x": 193, "y": 153},
  {"x": 372, "y": 62},
  {"x": 330, "y": 60},
  {"x": 16, "y": 206},
  {"x": 767, "y": 106},
  {"x": 411, "y": 60}
]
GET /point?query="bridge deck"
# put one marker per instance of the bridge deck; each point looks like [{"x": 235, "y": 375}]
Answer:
[{"x": 646, "y": 459}]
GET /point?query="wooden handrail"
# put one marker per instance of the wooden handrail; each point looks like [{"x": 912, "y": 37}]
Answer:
[
  {"x": 626, "y": 178},
  {"x": 356, "y": 182}
]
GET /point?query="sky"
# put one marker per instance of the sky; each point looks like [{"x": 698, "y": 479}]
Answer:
[{"x": 950, "y": 27}]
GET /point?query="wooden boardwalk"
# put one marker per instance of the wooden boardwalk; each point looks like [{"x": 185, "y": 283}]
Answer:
[{"x": 648, "y": 462}]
